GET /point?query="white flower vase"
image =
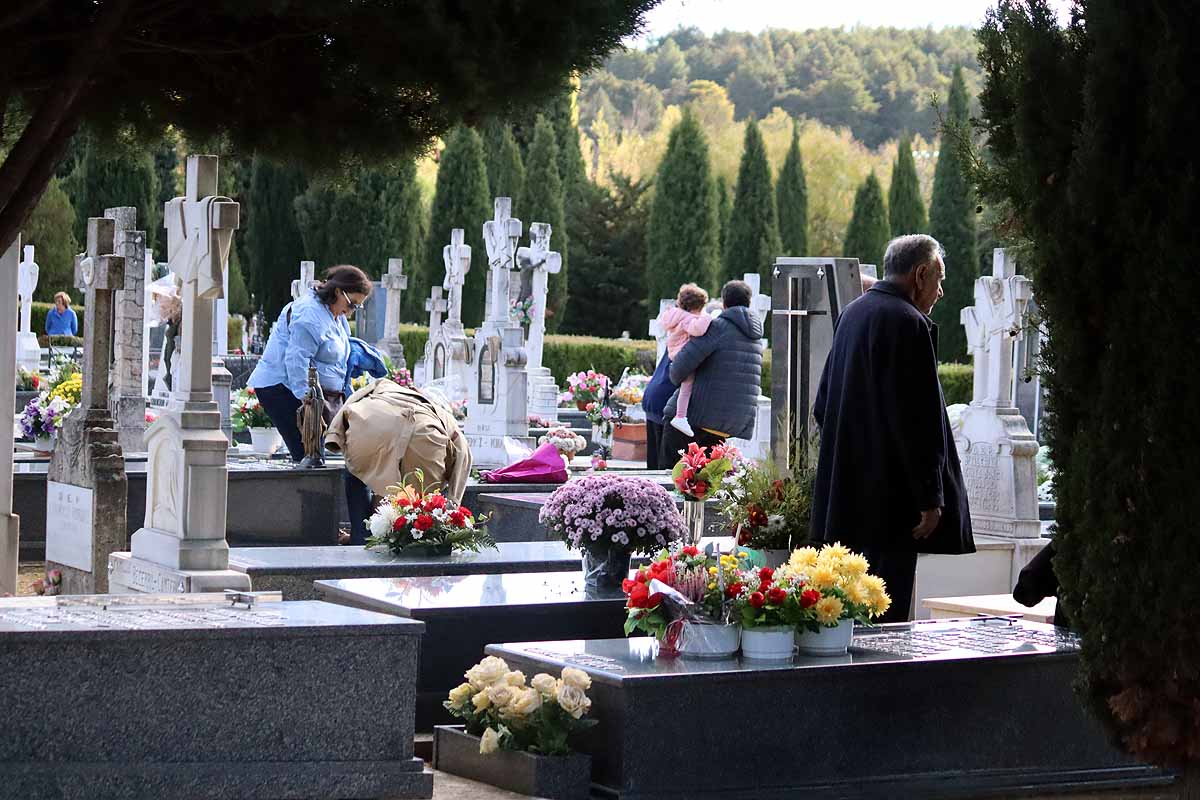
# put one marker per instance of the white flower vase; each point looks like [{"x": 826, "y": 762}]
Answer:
[
  {"x": 43, "y": 443},
  {"x": 265, "y": 440},
  {"x": 827, "y": 641},
  {"x": 768, "y": 643},
  {"x": 701, "y": 640}
]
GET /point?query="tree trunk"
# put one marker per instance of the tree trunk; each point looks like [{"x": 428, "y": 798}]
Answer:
[{"x": 31, "y": 162}]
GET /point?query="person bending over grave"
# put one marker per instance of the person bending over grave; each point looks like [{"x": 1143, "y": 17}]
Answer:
[
  {"x": 888, "y": 480},
  {"x": 727, "y": 365},
  {"x": 313, "y": 330},
  {"x": 61, "y": 320},
  {"x": 682, "y": 322}
]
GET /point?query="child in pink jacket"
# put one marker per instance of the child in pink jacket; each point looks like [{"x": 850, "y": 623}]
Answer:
[{"x": 681, "y": 322}]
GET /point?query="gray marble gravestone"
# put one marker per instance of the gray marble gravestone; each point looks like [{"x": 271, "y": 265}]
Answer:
[
  {"x": 950, "y": 708},
  {"x": 394, "y": 283},
  {"x": 807, "y": 297},
  {"x": 127, "y": 399},
  {"x": 111, "y": 697},
  {"x": 86, "y": 489},
  {"x": 465, "y": 613}
]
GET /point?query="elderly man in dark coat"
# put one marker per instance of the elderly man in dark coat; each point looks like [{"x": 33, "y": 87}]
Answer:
[{"x": 888, "y": 479}]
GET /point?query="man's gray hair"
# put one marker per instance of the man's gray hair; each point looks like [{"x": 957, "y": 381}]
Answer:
[{"x": 906, "y": 253}]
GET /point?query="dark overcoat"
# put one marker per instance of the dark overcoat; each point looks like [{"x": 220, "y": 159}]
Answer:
[{"x": 887, "y": 451}]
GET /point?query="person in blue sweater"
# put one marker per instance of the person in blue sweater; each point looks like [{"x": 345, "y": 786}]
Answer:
[{"x": 61, "y": 320}]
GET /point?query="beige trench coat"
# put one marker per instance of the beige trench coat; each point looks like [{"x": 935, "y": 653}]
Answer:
[{"x": 386, "y": 431}]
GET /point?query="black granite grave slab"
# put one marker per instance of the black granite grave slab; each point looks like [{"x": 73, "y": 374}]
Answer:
[
  {"x": 292, "y": 570},
  {"x": 465, "y": 613},
  {"x": 170, "y": 699},
  {"x": 270, "y": 502},
  {"x": 514, "y": 515},
  {"x": 938, "y": 709}
]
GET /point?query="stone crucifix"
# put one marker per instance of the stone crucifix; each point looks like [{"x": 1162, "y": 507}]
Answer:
[
  {"x": 200, "y": 228},
  {"x": 543, "y": 262},
  {"x": 992, "y": 325},
  {"x": 500, "y": 236},
  {"x": 29, "y": 352},
  {"x": 308, "y": 278},
  {"x": 98, "y": 273},
  {"x": 436, "y": 306},
  {"x": 395, "y": 282},
  {"x": 456, "y": 257}
]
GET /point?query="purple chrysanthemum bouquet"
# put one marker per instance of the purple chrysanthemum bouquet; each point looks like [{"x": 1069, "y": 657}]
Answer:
[
  {"x": 44, "y": 416},
  {"x": 604, "y": 512}
]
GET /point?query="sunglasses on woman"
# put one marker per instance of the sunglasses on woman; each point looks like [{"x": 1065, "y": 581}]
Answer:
[{"x": 353, "y": 305}]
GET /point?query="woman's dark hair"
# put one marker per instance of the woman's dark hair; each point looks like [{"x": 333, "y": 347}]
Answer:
[{"x": 347, "y": 278}]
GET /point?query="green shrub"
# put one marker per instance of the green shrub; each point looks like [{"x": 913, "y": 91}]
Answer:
[
  {"x": 234, "y": 325},
  {"x": 59, "y": 341},
  {"x": 957, "y": 382}
]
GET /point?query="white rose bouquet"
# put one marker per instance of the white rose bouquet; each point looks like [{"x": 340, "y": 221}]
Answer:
[{"x": 496, "y": 705}]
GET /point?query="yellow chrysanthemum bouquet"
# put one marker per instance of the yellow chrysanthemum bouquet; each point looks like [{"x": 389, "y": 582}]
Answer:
[{"x": 830, "y": 585}]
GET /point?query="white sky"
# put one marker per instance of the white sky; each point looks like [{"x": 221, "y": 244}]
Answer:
[{"x": 755, "y": 15}]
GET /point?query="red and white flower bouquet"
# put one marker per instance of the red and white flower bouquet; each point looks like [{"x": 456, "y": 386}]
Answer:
[{"x": 414, "y": 516}]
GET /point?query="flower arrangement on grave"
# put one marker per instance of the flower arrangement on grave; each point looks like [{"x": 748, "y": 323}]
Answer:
[
  {"x": 709, "y": 584},
  {"x": 584, "y": 387},
  {"x": 151, "y": 417},
  {"x": 603, "y": 420},
  {"x": 599, "y": 513},
  {"x": 360, "y": 381},
  {"x": 401, "y": 377},
  {"x": 507, "y": 713},
  {"x": 246, "y": 411},
  {"x": 815, "y": 589},
  {"x": 629, "y": 392},
  {"x": 598, "y": 463},
  {"x": 521, "y": 311},
  {"x": 44, "y": 415},
  {"x": 412, "y": 514},
  {"x": 69, "y": 389},
  {"x": 767, "y": 511},
  {"x": 536, "y": 421},
  {"x": 29, "y": 380},
  {"x": 565, "y": 441},
  {"x": 50, "y": 585},
  {"x": 700, "y": 470}
]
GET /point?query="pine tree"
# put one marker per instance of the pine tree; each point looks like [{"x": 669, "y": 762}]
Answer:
[
  {"x": 460, "y": 201},
  {"x": 543, "y": 202},
  {"x": 867, "y": 234},
  {"x": 906, "y": 210},
  {"x": 120, "y": 175},
  {"x": 791, "y": 199},
  {"x": 752, "y": 242},
  {"x": 952, "y": 222},
  {"x": 51, "y": 230},
  {"x": 272, "y": 247},
  {"x": 239, "y": 295},
  {"x": 505, "y": 169},
  {"x": 682, "y": 239}
]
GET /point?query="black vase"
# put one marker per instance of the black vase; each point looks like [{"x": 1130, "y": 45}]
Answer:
[{"x": 605, "y": 570}]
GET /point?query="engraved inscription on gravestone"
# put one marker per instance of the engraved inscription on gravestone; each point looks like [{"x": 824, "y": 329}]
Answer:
[
  {"x": 69, "y": 513},
  {"x": 982, "y": 469}
]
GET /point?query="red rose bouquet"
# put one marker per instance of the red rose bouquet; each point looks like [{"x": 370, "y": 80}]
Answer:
[
  {"x": 684, "y": 584},
  {"x": 413, "y": 515}
]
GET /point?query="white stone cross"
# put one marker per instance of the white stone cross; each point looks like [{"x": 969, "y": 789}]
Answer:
[
  {"x": 544, "y": 262},
  {"x": 992, "y": 326},
  {"x": 98, "y": 273},
  {"x": 395, "y": 281},
  {"x": 308, "y": 279},
  {"x": 27, "y": 281},
  {"x": 200, "y": 228},
  {"x": 760, "y": 303},
  {"x": 456, "y": 257},
  {"x": 436, "y": 306},
  {"x": 656, "y": 329},
  {"x": 500, "y": 236}
]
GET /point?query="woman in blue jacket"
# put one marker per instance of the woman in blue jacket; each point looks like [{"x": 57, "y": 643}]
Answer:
[
  {"x": 313, "y": 330},
  {"x": 61, "y": 320}
]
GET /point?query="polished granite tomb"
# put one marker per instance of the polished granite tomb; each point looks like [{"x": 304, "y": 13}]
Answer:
[
  {"x": 156, "y": 697},
  {"x": 514, "y": 515},
  {"x": 292, "y": 570},
  {"x": 465, "y": 613},
  {"x": 940, "y": 709}
]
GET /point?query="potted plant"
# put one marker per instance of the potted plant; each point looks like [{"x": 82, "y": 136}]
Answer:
[
  {"x": 585, "y": 387},
  {"x": 415, "y": 519},
  {"x": 517, "y": 735},
  {"x": 603, "y": 422},
  {"x": 765, "y": 606},
  {"x": 767, "y": 512},
  {"x": 833, "y": 589},
  {"x": 698, "y": 474},
  {"x": 609, "y": 517},
  {"x": 42, "y": 419},
  {"x": 29, "y": 385},
  {"x": 247, "y": 413},
  {"x": 565, "y": 441},
  {"x": 685, "y": 600}
]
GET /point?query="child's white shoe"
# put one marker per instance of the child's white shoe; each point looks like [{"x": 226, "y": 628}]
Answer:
[{"x": 681, "y": 424}]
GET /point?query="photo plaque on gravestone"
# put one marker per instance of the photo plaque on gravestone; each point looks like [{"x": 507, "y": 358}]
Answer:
[
  {"x": 487, "y": 373},
  {"x": 439, "y": 361}
]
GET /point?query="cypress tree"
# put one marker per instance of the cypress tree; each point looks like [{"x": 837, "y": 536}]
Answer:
[
  {"x": 272, "y": 246},
  {"x": 543, "y": 202},
  {"x": 752, "y": 242},
  {"x": 51, "y": 230},
  {"x": 906, "y": 210},
  {"x": 166, "y": 161},
  {"x": 681, "y": 242},
  {"x": 571, "y": 169},
  {"x": 505, "y": 169},
  {"x": 722, "y": 216},
  {"x": 117, "y": 175},
  {"x": 461, "y": 200},
  {"x": 952, "y": 222},
  {"x": 867, "y": 234},
  {"x": 239, "y": 295},
  {"x": 791, "y": 198}
]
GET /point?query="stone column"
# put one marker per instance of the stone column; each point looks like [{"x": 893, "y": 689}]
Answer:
[
  {"x": 127, "y": 400},
  {"x": 9, "y": 524},
  {"x": 395, "y": 282}
]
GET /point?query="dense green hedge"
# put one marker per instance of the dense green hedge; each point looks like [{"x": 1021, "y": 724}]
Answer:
[{"x": 956, "y": 380}]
